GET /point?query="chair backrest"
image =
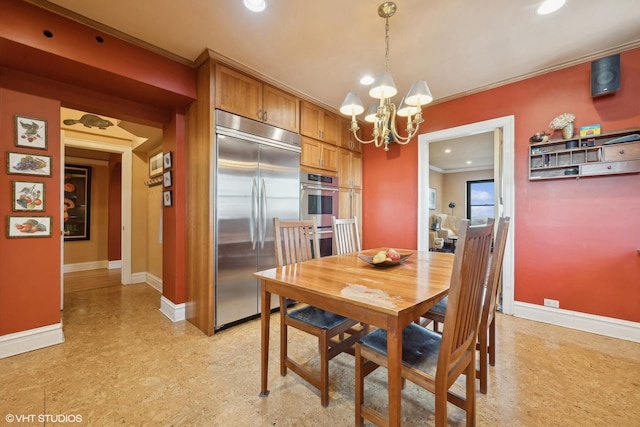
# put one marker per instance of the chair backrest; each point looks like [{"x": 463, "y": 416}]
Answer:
[
  {"x": 295, "y": 241},
  {"x": 462, "y": 318},
  {"x": 346, "y": 238},
  {"x": 495, "y": 271}
]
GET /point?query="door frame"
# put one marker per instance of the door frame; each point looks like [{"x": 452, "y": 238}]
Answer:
[
  {"x": 127, "y": 154},
  {"x": 506, "y": 192}
]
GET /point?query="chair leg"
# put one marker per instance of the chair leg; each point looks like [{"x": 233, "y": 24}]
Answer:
[
  {"x": 441, "y": 405},
  {"x": 359, "y": 397},
  {"x": 324, "y": 369},
  {"x": 283, "y": 337},
  {"x": 492, "y": 342},
  {"x": 471, "y": 391},
  {"x": 483, "y": 350}
]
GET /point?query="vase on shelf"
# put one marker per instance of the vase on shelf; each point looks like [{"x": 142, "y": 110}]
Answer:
[{"x": 567, "y": 131}]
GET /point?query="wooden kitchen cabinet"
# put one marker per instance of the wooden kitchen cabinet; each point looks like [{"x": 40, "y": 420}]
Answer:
[
  {"x": 347, "y": 140},
  {"x": 245, "y": 96},
  {"x": 349, "y": 169},
  {"x": 318, "y": 123},
  {"x": 350, "y": 204},
  {"x": 319, "y": 155}
]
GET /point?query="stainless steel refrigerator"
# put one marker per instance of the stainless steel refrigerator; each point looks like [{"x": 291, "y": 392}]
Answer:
[{"x": 257, "y": 178}]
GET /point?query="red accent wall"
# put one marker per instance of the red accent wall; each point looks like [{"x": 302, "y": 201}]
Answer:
[
  {"x": 29, "y": 266},
  {"x": 576, "y": 240}
]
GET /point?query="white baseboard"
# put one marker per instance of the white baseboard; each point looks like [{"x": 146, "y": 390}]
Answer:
[
  {"x": 33, "y": 339},
  {"x": 155, "y": 282},
  {"x": 138, "y": 278},
  {"x": 115, "y": 264},
  {"x": 175, "y": 312},
  {"x": 601, "y": 325},
  {"x": 84, "y": 266}
]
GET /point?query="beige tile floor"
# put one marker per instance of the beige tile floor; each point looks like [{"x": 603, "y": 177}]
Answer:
[{"x": 124, "y": 363}]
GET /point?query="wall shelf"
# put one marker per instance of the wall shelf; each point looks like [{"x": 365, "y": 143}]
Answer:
[{"x": 584, "y": 156}]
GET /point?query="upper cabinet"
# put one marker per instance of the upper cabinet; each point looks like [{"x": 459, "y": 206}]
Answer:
[
  {"x": 349, "y": 168},
  {"x": 319, "y": 155},
  {"x": 243, "y": 95},
  {"x": 318, "y": 123},
  {"x": 347, "y": 140}
]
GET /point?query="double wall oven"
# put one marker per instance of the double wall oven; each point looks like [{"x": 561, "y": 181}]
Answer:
[{"x": 319, "y": 200}]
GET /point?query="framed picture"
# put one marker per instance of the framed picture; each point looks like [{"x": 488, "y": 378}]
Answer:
[
  {"x": 28, "y": 164},
  {"x": 28, "y": 226},
  {"x": 155, "y": 165},
  {"x": 166, "y": 179},
  {"x": 28, "y": 196},
  {"x": 77, "y": 202},
  {"x": 167, "y": 160},
  {"x": 166, "y": 198},
  {"x": 31, "y": 133},
  {"x": 432, "y": 198}
]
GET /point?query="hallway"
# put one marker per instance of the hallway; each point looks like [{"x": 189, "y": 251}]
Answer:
[{"x": 124, "y": 363}]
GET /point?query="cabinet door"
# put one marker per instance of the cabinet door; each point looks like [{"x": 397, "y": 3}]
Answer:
[
  {"x": 310, "y": 120},
  {"x": 281, "y": 109},
  {"x": 344, "y": 168},
  {"x": 331, "y": 130},
  {"x": 329, "y": 157},
  {"x": 311, "y": 152},
  {"x": 238, "y": 93},
  {"x": 347, "y": 140},
  {"x": 350, "y": 205},
  {"x": 356, "y": 170}
]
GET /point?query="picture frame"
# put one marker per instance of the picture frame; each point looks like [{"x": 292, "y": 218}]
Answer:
[
  {"x": 28, "y": 164},
  {"x": 28, "y": 196},
  {"x": 166, "y": 179},
  {"x": 166, "y": 198},
  {"x": 155, "y": 165},
  {"x": 167, "y": 160},
  {"x": 28, "y": 226},
  {"x": 77, "y": 202},
  {"x": 432, "y": 198},
  {"x": 31, "y": 132}
]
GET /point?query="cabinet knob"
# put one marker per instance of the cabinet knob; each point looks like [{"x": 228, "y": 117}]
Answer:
[
  {"x": 609, "y": 167},
  {"x": 621, "y": 151}
]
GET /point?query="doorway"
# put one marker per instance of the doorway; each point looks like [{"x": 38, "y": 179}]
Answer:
[{"x": 504, "y": 170}]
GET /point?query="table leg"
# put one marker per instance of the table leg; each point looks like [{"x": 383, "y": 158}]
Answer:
[
  {"x": 265, "y": 316},
  {"x": 394, "y": 371}
]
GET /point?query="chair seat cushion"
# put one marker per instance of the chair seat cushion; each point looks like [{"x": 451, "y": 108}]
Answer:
[
  {"x": 317, "y": 317},
  {"x": 440, "y": 308},
  {"x": 420, "y": 346}
]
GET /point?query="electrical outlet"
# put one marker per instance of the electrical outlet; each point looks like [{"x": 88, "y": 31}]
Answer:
[{"x": 551, "y": 303}]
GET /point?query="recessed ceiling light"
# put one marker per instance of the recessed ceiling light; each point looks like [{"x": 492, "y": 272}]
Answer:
[
  {"x": 255, "y": 5},
  {"x": 366, "y": 80},
  {"x": 550, "y": 6},
  {"x": 469, "y": 162},
  {"x": 448, "y": 150}
]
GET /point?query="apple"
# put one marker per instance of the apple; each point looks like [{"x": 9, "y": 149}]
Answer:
[{"x": 393, "y": 254}]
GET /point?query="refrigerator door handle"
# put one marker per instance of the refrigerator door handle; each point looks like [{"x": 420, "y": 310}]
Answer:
[
  {"x": 263, "y": 194},
  {"x": 254, "y": 214}
]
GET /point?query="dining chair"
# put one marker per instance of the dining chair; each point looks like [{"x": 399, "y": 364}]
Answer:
[
  {"x": 346, "y": 238},
  {"x": 297, "y": 241},
  {"x": 487, "y": 332},
  {"x": 431, "y": 360}
]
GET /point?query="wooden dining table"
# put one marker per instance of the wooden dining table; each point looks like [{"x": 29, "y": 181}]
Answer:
[{"x": 386, "y": 297}]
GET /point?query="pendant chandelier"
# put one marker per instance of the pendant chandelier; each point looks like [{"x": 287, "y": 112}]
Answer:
[{"x": 382, "y": 113}]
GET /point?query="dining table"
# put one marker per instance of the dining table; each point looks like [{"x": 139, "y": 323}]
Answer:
[{"x": 390, "y": 296}]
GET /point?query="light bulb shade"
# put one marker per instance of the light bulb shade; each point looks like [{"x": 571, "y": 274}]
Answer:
[
  {"x": 371, "y": 113},
  {"x": 419, "y": 94},
  {"x": 383, "y": 86},
  {"x": 407, "y": 110},
  {"x": 352, "y": 105}
]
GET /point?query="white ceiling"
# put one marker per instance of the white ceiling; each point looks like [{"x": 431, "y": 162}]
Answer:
[{"x": 322, "y": 48}]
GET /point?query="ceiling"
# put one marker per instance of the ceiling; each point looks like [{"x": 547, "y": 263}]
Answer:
[{"x": 322, "y": 48}]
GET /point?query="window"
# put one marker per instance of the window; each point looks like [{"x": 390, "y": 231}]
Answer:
[{"x": 480, "y": 201}]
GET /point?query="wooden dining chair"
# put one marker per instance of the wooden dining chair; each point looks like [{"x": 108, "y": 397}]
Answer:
[
  {"x": 487, "y": 332},
  {"x": 431, "y": 360},
  {"x": 346, "y": 238},
  {"x": 297, "y": 241}
]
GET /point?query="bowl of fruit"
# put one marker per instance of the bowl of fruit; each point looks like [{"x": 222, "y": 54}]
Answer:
[{"x": 385, "y": 258}]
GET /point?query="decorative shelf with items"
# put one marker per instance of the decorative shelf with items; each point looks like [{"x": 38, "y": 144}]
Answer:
[{"x": 588, "y": 154}]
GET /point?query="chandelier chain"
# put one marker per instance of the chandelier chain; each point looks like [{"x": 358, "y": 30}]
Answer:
[{"x": 386, "y": 40}]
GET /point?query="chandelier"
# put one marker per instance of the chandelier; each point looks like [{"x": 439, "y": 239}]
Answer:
[{"x": 383, "y": 113}]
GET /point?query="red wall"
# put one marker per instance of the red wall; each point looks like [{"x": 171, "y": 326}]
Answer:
[
  {"x": 576, "y": 240},
  {"x": 30, "y": 266}
]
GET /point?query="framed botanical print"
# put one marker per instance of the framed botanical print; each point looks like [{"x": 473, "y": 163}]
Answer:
[
  {"x": 166, "y": 198},
  {"x": 167, "y": 160},
  {"x": 155, "y": 165},
  {"x": 28, "y": 164},
  {"x": 28, "y": 226},
  {"x": 28, "y": 196},
  {"x": 166, "y": 179},
  {"x": 31, "y": 133}
]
